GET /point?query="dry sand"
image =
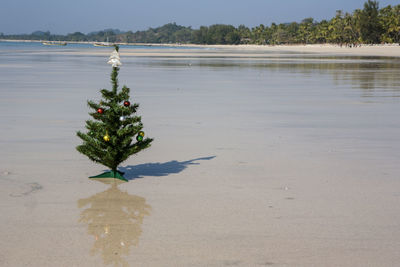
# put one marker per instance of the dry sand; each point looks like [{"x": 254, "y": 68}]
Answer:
[
  {"x": 277, "y": 52},
  {"x": 253, "y": 51},
  {"x": 221, "y": 186},
  {"x": 364, "y": 50}
]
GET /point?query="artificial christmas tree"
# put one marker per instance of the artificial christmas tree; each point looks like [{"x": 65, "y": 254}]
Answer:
[{"x": 109, "y": 140}]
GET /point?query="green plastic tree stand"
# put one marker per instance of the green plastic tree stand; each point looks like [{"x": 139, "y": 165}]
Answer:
[{"x": 111, "y": 174}]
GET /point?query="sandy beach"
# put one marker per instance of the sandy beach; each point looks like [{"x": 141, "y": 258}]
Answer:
[
  {"x": 255, "y": 51},
  {"x": 389, "y": 50},
  {"x": 263, "y": 156},
  {"x": 280, "y": 52}
]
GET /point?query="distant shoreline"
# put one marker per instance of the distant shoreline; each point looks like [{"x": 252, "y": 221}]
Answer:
[{"x": 387, "y": 50}]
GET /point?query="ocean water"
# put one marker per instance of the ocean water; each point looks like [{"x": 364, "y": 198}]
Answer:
[
  {"x": 73, "y": 46},
  {"x": 353, "y": 100},
  {"x": 302, "y": 150}
]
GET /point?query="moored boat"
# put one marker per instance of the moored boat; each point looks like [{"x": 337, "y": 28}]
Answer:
[
  {"x": 54, "y": 43},
  {"x": 105, "y": 44}
]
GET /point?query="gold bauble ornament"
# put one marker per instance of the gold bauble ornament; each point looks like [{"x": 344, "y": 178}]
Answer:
[{"x": 106, "y": 138}]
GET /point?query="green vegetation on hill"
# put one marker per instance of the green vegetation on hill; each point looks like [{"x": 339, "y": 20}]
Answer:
[{"x": 369, "y": 25}]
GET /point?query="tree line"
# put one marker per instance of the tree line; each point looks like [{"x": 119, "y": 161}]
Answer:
[{"x": 370, "y": 25}]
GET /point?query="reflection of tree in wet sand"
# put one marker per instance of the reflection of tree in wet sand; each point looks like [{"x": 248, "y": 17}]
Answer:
[{"x": 114, "y": 218}]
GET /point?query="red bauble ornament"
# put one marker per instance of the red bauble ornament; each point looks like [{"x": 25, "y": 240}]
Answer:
[
  {"x": 127, "y": 103},
  {"x": 100, "y": 111}
]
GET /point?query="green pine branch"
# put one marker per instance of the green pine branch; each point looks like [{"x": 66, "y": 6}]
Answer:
[{"x": 111, "y": 135}]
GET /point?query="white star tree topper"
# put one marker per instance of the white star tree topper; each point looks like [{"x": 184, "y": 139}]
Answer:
[{"x": 114, "y": 59}]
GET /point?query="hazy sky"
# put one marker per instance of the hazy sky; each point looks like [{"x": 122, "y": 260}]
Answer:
[{"x": 26, "y": 16}]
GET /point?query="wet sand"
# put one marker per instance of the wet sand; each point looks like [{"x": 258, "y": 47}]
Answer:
[{"x": 259, "y": 159}]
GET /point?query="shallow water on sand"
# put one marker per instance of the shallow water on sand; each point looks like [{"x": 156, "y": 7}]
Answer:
[{"x": 256, "y": 160}]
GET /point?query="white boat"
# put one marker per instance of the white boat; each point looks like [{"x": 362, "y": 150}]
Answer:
[
  {"x": 105, "y": 44},
  {"x": 54, "y": 43}
]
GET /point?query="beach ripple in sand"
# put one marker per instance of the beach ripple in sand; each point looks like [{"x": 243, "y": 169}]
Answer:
[{"x": 27, "y": 189}]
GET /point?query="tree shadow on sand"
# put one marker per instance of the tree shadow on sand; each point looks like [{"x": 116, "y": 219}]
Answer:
[{"x": 158, "y": 169}]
